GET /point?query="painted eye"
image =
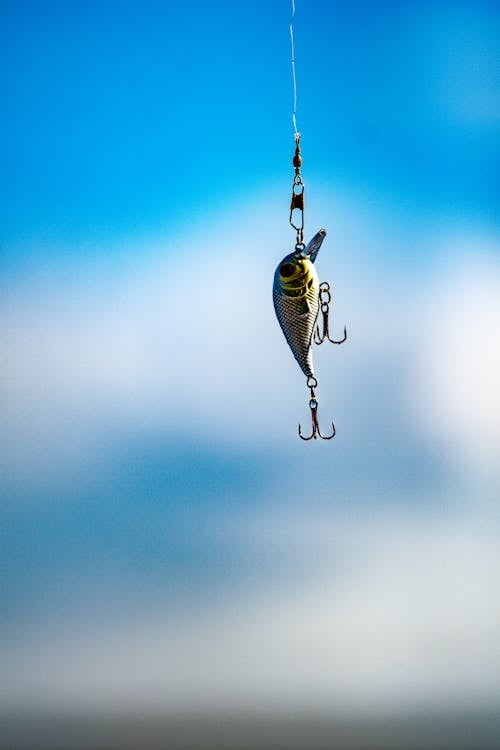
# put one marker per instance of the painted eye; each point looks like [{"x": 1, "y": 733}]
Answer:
[{"x": 287, "y": 269}]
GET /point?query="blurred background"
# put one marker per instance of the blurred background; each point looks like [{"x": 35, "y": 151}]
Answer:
[{"x": 177, "y": 568}]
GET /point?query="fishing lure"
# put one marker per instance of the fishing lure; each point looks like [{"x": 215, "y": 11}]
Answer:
[{"x": 298, "y": 298}]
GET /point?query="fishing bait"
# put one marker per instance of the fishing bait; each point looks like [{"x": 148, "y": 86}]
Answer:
[{"x": 296, "y": 300}]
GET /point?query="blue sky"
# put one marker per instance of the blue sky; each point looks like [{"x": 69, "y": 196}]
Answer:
[
  {"x": 122, "y": 117},
  {"x": 156, "y": 498}
]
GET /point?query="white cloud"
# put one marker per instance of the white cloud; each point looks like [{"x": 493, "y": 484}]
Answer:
[
  {"x": 457, "y": 356},
  {"x": 395, "y": 614},
  {"x": 186, "y": 342}
]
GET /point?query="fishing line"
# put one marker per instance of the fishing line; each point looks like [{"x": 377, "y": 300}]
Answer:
[{"x": 294, "y": 115}]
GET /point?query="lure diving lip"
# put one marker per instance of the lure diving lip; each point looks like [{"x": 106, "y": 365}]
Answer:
[{"x": 311, "y": 250}]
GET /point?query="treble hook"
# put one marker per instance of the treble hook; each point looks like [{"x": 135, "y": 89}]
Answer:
[
  {"x": 313, "y": 405},
  {"x": 325, "y": 299}
]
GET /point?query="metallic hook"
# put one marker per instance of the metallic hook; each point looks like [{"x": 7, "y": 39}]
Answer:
[
  {"x": 313, "y": 405},
  {"x": 325, "y": 299}
]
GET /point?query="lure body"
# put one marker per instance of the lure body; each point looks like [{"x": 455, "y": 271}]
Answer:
[{"x": 296, "y": 300}]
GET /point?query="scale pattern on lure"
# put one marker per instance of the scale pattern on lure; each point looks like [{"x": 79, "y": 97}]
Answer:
[{"x": 296, "y": 300}]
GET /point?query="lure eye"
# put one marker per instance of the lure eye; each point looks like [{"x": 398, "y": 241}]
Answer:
[{"x": 287, "y": 269}]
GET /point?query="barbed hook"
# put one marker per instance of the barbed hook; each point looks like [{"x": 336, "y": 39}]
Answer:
[
  {"x": 313, "y": 405},
  {"x": 325, "y": 299}
]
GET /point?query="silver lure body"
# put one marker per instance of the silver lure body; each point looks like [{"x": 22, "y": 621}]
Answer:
[{"x": 296, "y": 300}]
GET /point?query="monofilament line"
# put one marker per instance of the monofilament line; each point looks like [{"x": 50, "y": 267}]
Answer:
[{"x": 294, "y": 115}]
